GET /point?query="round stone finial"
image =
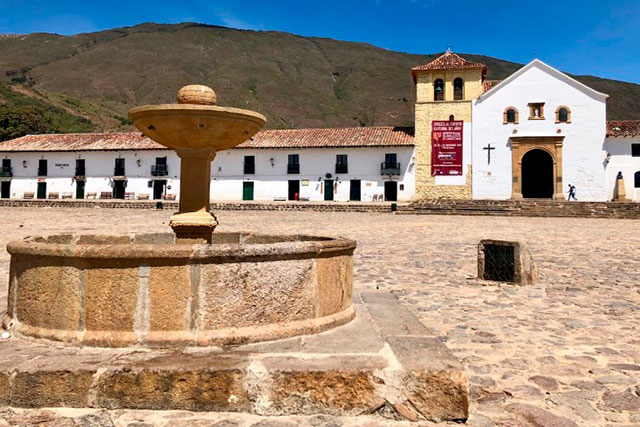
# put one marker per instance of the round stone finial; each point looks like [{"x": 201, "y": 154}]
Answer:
[{"x": 196, "y": 94}]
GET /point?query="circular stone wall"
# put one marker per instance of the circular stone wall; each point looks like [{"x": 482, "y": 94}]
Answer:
[{"x": 104, "y": 290}]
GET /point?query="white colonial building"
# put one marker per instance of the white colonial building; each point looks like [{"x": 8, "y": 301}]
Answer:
[
  {"x": 535, "y": 133},
  {"x": 528, "y": 136},
  {"x": 346, "y": 164},
  {"x": 539, "y": 131}
]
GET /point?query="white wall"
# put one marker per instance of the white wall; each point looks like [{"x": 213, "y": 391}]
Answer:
[
  {"x": 99, "y": 166},
  {"x": 227, "y": 172},
  {"x": 583, "y": 147},
  {"x": 272, "y": 181},
  {"x": 621, "y": 161}
]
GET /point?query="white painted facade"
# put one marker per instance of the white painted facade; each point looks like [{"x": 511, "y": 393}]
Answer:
[
  {"x": 621, "y": 160},
  {"x": 583, "y": 147},
  {"x": 271, "y": 180}
]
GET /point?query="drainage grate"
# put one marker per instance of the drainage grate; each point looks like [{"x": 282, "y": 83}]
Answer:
[{"x": 499, "y": 263}]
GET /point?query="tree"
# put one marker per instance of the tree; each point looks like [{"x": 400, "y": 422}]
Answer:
[{"x": 17, "y": 121}]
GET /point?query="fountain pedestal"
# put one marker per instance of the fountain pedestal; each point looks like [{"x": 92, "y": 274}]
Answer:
[{"x": 194, "y": 223}]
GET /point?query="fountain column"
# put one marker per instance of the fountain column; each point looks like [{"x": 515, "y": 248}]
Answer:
[
  {"x": 196, "y": 128},
  {"x": 194, "y": 223}
]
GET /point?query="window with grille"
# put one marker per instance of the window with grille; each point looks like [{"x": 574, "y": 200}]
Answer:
[{"x": 499, "y": 263}]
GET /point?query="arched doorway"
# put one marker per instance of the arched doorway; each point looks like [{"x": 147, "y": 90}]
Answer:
[{"x": 537, "y": 174}]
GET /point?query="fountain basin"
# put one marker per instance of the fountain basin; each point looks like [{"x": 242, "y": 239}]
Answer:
[
  {"x": 192, "y": 126},
  {"x": 146, "y": 290}
]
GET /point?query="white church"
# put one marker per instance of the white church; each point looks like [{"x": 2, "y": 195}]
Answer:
[{"x": 528, "y": 136}]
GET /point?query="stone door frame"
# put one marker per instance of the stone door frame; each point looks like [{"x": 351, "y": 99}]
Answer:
[{"x": 521, "y": 146}]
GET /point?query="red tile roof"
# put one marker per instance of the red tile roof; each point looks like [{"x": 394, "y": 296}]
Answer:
[
  {"x": 623, "y": 128},
  {"x": 81, "y": 142},
  {"x": 288, "y": 138},
  {"x": 488, "y": 84},
  {"x": 449, "y": 61},
  {"x": 333, "y": 137}
]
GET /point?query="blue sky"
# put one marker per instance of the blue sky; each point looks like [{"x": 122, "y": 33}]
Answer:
[{"x": 582, "y": 37}]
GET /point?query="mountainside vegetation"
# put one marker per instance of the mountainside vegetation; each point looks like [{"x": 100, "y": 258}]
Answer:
[{"x": 88, "y": 82}]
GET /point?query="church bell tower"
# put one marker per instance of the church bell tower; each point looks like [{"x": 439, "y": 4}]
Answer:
[{"x": 444, "y": 91}]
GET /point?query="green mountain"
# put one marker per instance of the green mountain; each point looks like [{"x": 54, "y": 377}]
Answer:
[{"x": 88, "y": 82}]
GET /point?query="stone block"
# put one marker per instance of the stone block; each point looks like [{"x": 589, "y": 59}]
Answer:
[
  {"x": 391, "y": 317},
  {"x": 435, "y": 382},
  {"x": 506, "y": 261},
  {"x": 106, "y": 288},
  {"x": 187, "y": 389},
  {"x": 336, "y": 392},
  {"x": 335, "y": 284},
  {"x": 154, "y": 239},
  {"x": 103, "y": 239},
  {"x": 67, "y": 388},
  {"x": 438, "y": 395},
  {"x": 250, "y": 293},
  {"x": 170, "y": 297},
  {"x": 47, "y": 294},
  {"x": 5, "y": 388}
]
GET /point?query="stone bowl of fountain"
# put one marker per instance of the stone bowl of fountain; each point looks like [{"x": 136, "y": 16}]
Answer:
[{"x": 191, "y": 287}]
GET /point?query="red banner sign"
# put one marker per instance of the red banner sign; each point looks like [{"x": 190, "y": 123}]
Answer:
[{"x": 446, "y": 147}]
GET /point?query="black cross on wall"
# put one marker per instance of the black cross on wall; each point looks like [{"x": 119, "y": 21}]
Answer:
[{"x": 489, "y": 148}]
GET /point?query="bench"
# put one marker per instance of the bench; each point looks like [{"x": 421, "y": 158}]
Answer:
[
  {"x": 169, "y": 197},
  {"x": 67, "y": 195},
  {"x": 91, "y": 195},
  {"x": 53, "y": 196},
  {"x": 28, "y": 195},
  {"x": 130, "y": 196},
  {"x": 143, "y": 197},
  {"x": 279, "y": 199},
  {"x": 106, "y": 195}
]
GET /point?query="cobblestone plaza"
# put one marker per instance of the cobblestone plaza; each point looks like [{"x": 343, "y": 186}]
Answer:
[{"x": 567, "y": 347}]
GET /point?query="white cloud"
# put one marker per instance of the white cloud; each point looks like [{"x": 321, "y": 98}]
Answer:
[{"x": 232, "y": 21}]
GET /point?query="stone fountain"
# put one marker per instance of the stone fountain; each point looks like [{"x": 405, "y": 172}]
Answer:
[
  {"x": 192, "y": 287},
  {"x": 208, "y": 321}
]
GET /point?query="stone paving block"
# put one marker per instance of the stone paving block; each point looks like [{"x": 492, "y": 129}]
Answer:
[
  {"x": 195, "y": 390},
  {"x": 333, "y": 392},
  {"x": 66, "y": 387},
  {"x": 5, "y": 388},
  {"x": 391, "y": 317},
  {"x": 435, "y": 381},
  {"x": 423, "y": 352},
  {"x": 358, "y": 336}
]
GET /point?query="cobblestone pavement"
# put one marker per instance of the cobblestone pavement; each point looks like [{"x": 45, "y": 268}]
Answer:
[{"x": 561, "y": 353}]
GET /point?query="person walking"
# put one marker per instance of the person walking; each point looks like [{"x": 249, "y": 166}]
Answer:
[{"x": 572, "y": 192}]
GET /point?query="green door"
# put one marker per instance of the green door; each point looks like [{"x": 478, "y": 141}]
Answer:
[
  {"x": 79, "y": 189},
  {"x": 328, "y": 189},
  {"x": 42, "y": 190},
  {"x": 247, "y": 191}
]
